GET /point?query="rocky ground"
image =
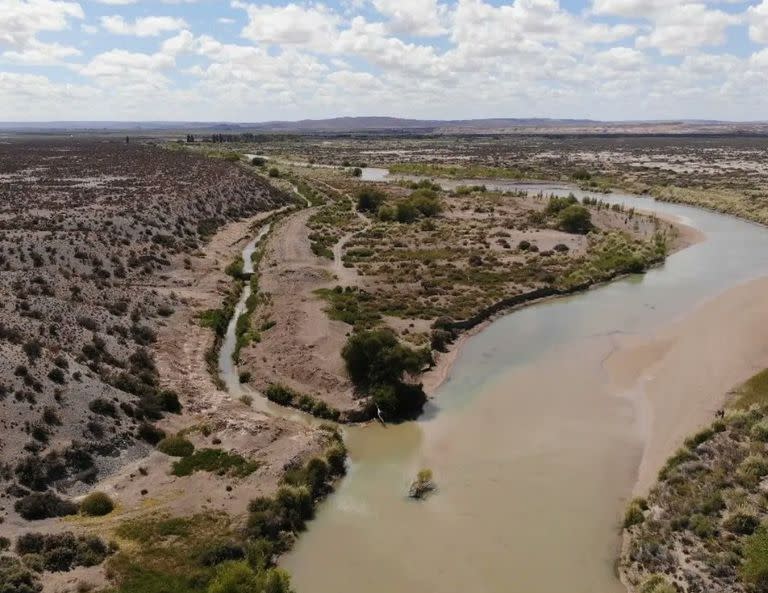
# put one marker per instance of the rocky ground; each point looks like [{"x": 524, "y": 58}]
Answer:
[{"x": 108, "y": 254}]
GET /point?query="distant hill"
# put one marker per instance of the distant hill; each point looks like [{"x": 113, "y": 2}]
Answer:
[{"x": 341, "y": 125}]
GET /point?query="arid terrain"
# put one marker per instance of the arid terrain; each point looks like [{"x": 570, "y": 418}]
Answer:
[
  {"x": 110, "y": 252},
  {"x": 121, "y": 265}
]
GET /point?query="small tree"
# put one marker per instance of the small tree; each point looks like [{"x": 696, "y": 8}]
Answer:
[{"x": 575, "y": 219}]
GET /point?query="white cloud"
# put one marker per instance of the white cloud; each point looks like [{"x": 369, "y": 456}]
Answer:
[
  {"x": 150, "y": 26},
  {"x": 424, "y": 18},
  {"x": 315, "y": 26},
  {"x": 757, "y": 17}
]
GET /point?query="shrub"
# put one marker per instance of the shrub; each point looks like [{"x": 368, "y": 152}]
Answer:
[
  {"x": 103, "y": 407},
  {"x": 557, "y": 204},
  {"x": 406, "y": 212},
  {"x": 169, "y": 401},
  {"x": 752, "y": 470},
  {"x": 176, "y": 446},
  {"x": 759, "y": 431},
  {"x": 386, "y": 214},
  {"x": 280, "y": 394},
  {"x": 43, "y": 505},
  {"x": 150, "y": 433},
  {"x": 581, "y": 174},
  {"x": 755, "y": 567},
  {"x": 56, "y": 375},
  {"x": 274, "y": 172},
  {"x": 96, "y": 504},
  {"x": 524, "y": 245},
  {"x": 702, "y": 526},
  {"x": 657, "y": 584},
  {"x": 220, "y": 552},
  {"x": 16, "y": 578},
  {"x": 633, "y": 515},
  {"x": 741, "y": 524},
  {"x": 575, "y": 219},
  {"x": 370, "y": 199}
]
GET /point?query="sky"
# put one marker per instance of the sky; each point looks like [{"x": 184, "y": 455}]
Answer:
[{"x": 249, "y": 61}]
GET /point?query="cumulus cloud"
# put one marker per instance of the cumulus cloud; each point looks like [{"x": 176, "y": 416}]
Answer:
[
  {"x": 150, "y": 26},
  {"x": 758, "y": 22},
  {"x": 313, "y": 26},
  {"x": 22, "y": 20},
  {"x": 424, "y": 18},
  {"x": 422, "y": 58}
]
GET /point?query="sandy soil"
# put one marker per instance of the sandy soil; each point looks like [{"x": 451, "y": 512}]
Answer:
[
  {"x": 303, "y": 349},
  {"x": 682, "y": 375}
]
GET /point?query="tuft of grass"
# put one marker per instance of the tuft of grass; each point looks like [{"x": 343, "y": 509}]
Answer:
[{"x": 752, "y": 393}]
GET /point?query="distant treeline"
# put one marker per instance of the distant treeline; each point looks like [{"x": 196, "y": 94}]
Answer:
[{"x": 221, "y": 138}]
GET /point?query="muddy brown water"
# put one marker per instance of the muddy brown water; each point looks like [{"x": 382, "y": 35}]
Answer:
[{"x": 534, "y": 451}]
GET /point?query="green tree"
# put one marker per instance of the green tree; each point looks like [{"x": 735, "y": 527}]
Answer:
[{"x": 376, "y": 357}]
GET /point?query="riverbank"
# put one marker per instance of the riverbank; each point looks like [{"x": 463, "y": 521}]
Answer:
[
  {"x": 687, "y": 236},
  {"x": 681, "y": 375}
]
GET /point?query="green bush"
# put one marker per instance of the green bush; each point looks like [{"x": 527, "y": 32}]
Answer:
[
  {"x": 280, "y": 394},
  {"x": 406, "y": 212},
  {"x": 376, "y": 362},
  {"x": 741, "y": 524},
  {"x": 755, "y": 567},
  {"x": 633, "y": 515},
  {"x": 176, "y": 446},
  {"x": 370, "y": 199},
  {"x": 657, "y": 584},
  {"x": 557, "y": 204},
  {"x": 759, "y": 431},
  {"x": 96, "y": 504}
]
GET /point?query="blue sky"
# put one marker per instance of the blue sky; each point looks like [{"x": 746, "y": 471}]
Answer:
[{"x": 246, "y": 60}]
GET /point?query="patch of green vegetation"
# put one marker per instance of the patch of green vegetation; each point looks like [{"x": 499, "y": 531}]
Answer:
[
  {"x": 235, "y": 269},
  {"x": 216, "y": 461},
  {"x": 614, "y": 253},
  {"x": 752, "y": 393},
  {"x": 205, "y": 553},
  {"x": 351, "y": 305},
  {"x": 376, "y": 363},
  {"x": 707, "y": 508},
  {"x": 285, "y": 396},
  {"x": 453, "y": 171}
]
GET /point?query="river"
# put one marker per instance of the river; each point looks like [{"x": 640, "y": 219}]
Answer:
[{"x": 534, "y": 450}]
